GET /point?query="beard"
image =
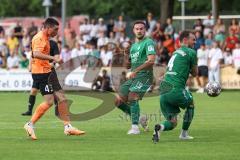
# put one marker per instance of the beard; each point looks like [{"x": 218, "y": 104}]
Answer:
[{"x": 139, "y": 37}]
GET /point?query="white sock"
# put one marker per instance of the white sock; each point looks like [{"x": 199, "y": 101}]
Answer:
[
  {"x": 184, "y": 133},
  {"x": 134, "y": 126},
  {"x": 67, "y": 126},
  {"x": 162, "y": 127},
  {"x": 30, "y": 124}
]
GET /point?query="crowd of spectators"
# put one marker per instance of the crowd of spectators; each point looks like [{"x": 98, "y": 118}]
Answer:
[{"x": 217, "y": 45}]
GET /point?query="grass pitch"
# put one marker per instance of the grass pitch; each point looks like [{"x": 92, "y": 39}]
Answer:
[{"x": 216, "y": 129}]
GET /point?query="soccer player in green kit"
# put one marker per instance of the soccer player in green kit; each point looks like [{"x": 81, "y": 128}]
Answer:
[
  {"x": 173, "y": 94},
  {"x": 142, "y": 57}
]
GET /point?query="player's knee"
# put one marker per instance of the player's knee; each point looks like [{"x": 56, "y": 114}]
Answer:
[
  {"x": 119, "y": 100},
  {"x": 34, "y": 91},
  {"x": 60, "y": 96},
  {"x": 133, "y": 96},
  {"x": 49, "y": 100}
]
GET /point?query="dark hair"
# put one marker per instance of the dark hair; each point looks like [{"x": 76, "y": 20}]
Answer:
[
  {"x": 50, "y": 22},
  {"x": 139, "y": 22},
  {"x": 184, "y": 34}
]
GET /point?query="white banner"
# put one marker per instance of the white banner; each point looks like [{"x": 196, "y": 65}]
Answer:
[{"x": 21, "y": 80}]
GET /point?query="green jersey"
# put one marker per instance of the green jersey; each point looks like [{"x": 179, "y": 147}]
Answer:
[
  {"x": 179, "y": 66},
  {"x": 139, "y": 52}
]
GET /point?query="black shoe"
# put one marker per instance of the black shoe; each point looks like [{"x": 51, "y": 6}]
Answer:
[
  {"x": 28, "y": 113},
  {"x": 156, "y": 134}
]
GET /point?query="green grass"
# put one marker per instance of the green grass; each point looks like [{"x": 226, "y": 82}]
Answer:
[{"x": 216, "y": 129}]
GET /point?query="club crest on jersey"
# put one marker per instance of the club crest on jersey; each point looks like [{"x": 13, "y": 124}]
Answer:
[{"x": 150, "y": 48}]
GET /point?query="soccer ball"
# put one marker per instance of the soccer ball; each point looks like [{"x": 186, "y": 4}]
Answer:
[{"x": 213, "y": 89}]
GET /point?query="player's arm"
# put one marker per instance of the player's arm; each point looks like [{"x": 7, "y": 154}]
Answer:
[
  {"x": 148, "y": 64},
  {"x": 39, "y": 55},
  {"x": 194, "y": 71}
]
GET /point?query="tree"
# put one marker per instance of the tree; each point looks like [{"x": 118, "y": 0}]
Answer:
[{"x": 166, "y": 8}]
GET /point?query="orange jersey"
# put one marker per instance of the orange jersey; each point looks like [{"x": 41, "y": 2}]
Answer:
[{"x": 40, "y": 43}]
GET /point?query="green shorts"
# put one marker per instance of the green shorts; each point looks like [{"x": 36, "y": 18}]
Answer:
[
  {"x": 173, "y": 100},
  {"x": 140, "y": 84}
]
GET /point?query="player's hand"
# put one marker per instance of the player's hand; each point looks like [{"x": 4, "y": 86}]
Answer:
[
  {"x": 57, "y": 60},
  {"x": 132, "y": 75}
]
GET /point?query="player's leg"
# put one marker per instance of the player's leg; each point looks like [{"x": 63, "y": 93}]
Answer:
[
  {"x": 138, "y": 88},
  {"x": 63, "y": 110},
  {"x": 122, "y": 97},
  {"x": 188, "y": 115},
  {"x": 133, "y": 99},
  {"x": 169, "y": 111},
  {"x": 31, "y": 101},
  {"x": 62, "y": 105},
  {"x": 47, "y": 93}
]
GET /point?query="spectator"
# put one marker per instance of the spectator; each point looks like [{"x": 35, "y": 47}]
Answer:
[
  {"x": 150, "y": 24},
  {"x": 110, "y": 27},
  {"x": 227, "y": 57},
  {"x": 72, "y": 40},
  {"x": 106, "y": 82},
  {"x": 199, "y": 40},
  {"x": 198, "y": 26},
  {"x": 102, "y": 83},
  {"x": 2, "y": 32},
  {"x": 123, "y": 38},
  {"x": 202, "y": 55},
  {"x": 65, "y": 53},
  {"x": 93, "y": 56},
  {"x": 236, "y": 56},
  {"x": 106, "y": 56},
  {"x": 24, "y": 62},
  {"x": 12, "y": 43},
  {"x": 208, "y": 25},
  {"x": 219, "y": 32},
  {"x": 2, "y": 60},
  {"x": 102, "y": 40},
  {"x": 234, "y": 27},
  {"x": 119, "y": 27},
  {"x": 209, "y": 40},
  {"x": 12, "y": 61},
  {"x": 18, "y": 31},
  {"x": 69, "y": 34},
  {"x": 169, "y": 29},
  {"x": 112, "y": 38},
  {"x": 77, "y": 51},
  {"x": 162, "y": 55},
  {"x": 85, "y": 30},
  {"x": 94, "y": 30},
  {"x": 157, "y": 33},
  {"x": 169, "y": 44},
  {"x": 32, "y": 30},
  {"x": 26, "y": 39},
  {"x": 214, "y": 61},
  {"x": 101, "y": 27},
  {"x": 231, "y": 40}
]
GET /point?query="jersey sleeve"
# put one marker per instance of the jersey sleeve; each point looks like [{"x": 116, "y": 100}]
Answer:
[
  {"x": 150, "y": 47},
  {"x": 54, "y": 50}
]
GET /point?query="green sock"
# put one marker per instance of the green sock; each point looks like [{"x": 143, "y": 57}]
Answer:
[
  {"x": 187, "y": 119},
  {"x": 125, "y": 108},
  {"x": 167, "y": 125},
  {"x": 135, "y": 112}
]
